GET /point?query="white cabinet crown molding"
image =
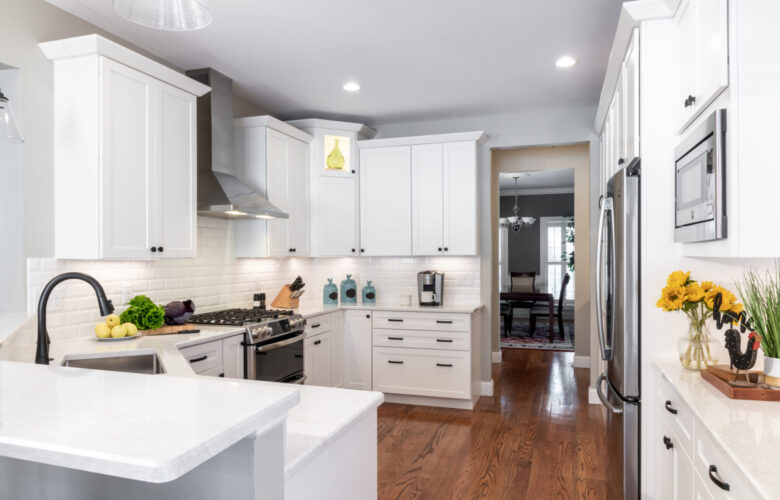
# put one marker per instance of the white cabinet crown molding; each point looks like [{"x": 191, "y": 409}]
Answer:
[
  {"x": 98, "y": 45},
  {"x": 479, "y": 136},
  {"x": 311, "y": 123},
  {"x": 275, "y": 124}
]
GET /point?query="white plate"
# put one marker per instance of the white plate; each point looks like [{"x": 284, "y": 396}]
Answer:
[{"x": 119, "y": 339}]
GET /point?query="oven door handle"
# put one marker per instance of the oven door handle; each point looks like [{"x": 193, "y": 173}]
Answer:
[{"x": 277, "y": 345}]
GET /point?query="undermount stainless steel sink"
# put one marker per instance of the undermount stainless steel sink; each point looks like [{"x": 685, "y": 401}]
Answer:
[{"x": 131, "y": 362}]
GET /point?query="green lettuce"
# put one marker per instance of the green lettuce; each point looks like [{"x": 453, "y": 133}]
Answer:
[{"x": 143, "y": 313}]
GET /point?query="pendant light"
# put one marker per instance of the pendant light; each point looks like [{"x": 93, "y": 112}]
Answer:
[
  {"x": 169, "y": 15},
  {"x": 516, "y": 222},
  {"x": 9, "y": 128}
]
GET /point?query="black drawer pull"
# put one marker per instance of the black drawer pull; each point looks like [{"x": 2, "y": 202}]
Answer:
[
  {"x": 395, "y": 320},
  {"x": 221, "y": 375},
  {"x": 445, "y": 365},
  {"x": 668, "y": 443},
  {"x": 444, "y": 340},
  {"x": 669, "y": 408},
  {"x": 395, "y": 362},
  {"x": 317, "y": 342},
  {"x": 444, "y": 321},
  {"x": 315, "y": 325},
  {"x": 717, "y": 480},
  {"x": 202, "y": 358},
  {"x": 395, "y": 338}
]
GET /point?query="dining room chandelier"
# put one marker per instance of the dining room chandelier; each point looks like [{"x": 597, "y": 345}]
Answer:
[{"x": 516, "y": 222}]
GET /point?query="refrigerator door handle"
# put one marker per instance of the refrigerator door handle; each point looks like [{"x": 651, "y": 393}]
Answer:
[
  {"x": 604, "y": 400},
  {"x": 606, "y": 207}
]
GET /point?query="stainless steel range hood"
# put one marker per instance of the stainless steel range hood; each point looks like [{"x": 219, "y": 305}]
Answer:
[{"x": 221, "y": 194}]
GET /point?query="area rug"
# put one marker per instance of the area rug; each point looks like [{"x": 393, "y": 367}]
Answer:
[{"x": 521, "y": 338}]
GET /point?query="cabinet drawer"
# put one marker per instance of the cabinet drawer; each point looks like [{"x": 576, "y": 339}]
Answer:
[
  {"x": 422, "y": 321},
  {"x": 214, "y": 372},
  {"x": 422, "y": 372},
  {"x": 317, "y": 325},
  {"x": 422, "y": 339},
  {"x": 712, "y": 464},
  {"x": 204, "y": 357},
  {"x": 677, "y": 412}
]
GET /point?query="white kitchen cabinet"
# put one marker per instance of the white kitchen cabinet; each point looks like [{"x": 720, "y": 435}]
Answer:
[
  {"x": 357, "y": 350},
  {"x": 674, "y": 476},
  {"x": 428, "y": 199},
  {"x": 334, "y": 192},
  {"x": 386, "y": 201},
  {"x": 701, "y": 47},
  {"x": 317, "y": 359},
  {"x": 337, "y": 350},
  {"x": 233, "y": 360},
  {"x": 124, "y": 154},
  {"x": 273, "y": 158}
]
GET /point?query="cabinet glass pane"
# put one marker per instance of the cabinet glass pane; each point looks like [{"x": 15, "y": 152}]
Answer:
[{"x": 336, "y": 153}]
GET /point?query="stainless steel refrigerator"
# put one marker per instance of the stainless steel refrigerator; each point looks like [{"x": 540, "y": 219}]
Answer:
[{"x": 617, "y": 298}]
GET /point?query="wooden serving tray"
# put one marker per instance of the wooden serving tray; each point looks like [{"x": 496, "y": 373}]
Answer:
[
  {"x": 167, "y": 329},
  {"x": 720, "y": 375}
]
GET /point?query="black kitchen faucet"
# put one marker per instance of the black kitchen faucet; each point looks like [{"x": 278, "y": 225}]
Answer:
[{"x": 106, "y": 308}]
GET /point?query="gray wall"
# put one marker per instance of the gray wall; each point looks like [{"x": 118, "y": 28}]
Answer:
[{"x": 524, "y": 244}]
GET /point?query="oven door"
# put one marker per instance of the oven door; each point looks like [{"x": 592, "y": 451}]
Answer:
[
  {"x": 696, "y": 186},
  {"x": 279, "y": 360}
]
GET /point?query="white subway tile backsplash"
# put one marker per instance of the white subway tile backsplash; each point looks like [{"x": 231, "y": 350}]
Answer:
[{"x": 215, "y": 279}]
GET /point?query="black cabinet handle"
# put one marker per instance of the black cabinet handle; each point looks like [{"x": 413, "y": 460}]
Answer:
[
  {"x": 317, "y": 342},
  {"x": 444, "y": 321},
  {"x": 395, "y": 338},
  {"x": 159, "y": 249},
  {"x": 290, "y": 250},
  {"x": 444, "y": 340},
  {"x": 395, "y": 320},
  {"x": 439, "y": 249},
  {"x": 444, "y": 365},
  {"x": 395, "y": 362},
  {"x": 353, "y": 171},
  {"x": 668, "y": 443},
  {"x": 720, "y": 483},
  {"x": 153, "y": 249},
  {"x": 353, "y": 250},
  {"x": 222, "y": 375},
  {"x": 446, "y": 249},
  {"x": 368, "y": 316},
  {"x": 621, "y": 161},
  {"x": 669, "y": 408},
  {"x": 315, "y": 325},
  {"x": 362, "y": 250},
  {"x": 202, "y": 358}
]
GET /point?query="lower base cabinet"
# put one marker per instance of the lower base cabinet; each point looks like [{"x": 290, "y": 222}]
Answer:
[
  {"x": 357, "y": 350},
  {"x": 317, "y": 359},
  {"x": 217, "y": 358},
  {"x": 422, "y": 372}
]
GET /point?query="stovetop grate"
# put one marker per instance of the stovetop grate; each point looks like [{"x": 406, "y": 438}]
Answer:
[{"x": 239, "y": 317}]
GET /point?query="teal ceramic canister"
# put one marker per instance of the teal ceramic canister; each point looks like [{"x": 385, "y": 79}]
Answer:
[
  {"x": 330, "y": 293},
  {"x": 369, "y": 293},
  {"x": 349, "y": 291}
]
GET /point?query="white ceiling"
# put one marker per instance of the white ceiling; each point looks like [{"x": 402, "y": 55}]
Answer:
[
  {"x": 561, "y": 180},
  {"x": 416, "y": 59}
]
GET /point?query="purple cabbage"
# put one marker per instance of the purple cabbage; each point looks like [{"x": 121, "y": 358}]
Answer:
[{"x": 177, "y": 312}]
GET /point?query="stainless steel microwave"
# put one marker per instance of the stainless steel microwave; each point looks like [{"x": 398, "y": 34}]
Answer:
[{"x": 700, "y": 182}]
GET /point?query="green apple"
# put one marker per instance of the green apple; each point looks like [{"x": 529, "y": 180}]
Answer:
[
  {"x": 118, "y": 331},
  {"x": 102, "y": 331}
]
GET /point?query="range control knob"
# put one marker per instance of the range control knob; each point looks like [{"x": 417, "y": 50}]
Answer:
[
  {"x": 254, "y": 332},
  {"x": 267, "y": 331}
]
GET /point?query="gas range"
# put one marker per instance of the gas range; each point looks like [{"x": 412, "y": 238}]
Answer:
[{"x": 261, "y": 325}]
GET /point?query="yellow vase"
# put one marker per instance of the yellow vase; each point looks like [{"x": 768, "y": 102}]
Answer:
[{"x": 335, "y": 160}]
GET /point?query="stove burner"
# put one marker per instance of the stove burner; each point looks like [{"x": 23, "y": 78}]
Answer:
[{"x": 239, "y": 317}]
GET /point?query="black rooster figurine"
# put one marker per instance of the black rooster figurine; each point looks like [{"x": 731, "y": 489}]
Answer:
[{"x": 742, "y": 360}]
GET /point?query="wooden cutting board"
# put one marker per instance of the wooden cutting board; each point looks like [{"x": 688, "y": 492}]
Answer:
[
  {"x": 715, "y": 376},
  {"x": 165, "y": 330}
]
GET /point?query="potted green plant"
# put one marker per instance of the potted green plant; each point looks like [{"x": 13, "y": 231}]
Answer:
[{"x": 760, "y": 293}]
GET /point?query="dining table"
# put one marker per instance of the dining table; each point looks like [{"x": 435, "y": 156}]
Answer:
[{"x": 529, "y": 296}]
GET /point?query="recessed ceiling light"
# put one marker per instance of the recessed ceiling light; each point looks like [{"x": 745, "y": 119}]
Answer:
[
  {"x": 351, "y": 87},
  {"x": 566, "y": 62}
]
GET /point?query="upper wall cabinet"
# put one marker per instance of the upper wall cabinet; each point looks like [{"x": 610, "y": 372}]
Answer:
[
  {"x": 418, "y": 195},
  {"x": 273, "y": 158},
  {"x": 124, "y": 153},
  {"x": 701, "y": 48},
  {"x": 334, "y": 167}
]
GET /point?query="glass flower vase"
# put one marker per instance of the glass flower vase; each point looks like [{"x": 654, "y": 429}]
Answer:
[{"x": 697, "y": 349}]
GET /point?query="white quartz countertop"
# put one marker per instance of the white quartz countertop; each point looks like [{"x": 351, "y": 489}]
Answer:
[
  {"x": 309, "y": 310},
  {"x": 749, "y": 431},
  {"x": 144, "y": 427}
]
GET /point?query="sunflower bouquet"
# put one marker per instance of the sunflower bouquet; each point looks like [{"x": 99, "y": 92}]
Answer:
[{"x": 696, "y": 300}]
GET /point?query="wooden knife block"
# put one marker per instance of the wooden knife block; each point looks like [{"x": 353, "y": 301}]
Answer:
[{"x": 283, "y": 299}]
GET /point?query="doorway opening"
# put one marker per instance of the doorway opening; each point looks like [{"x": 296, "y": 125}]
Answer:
[{"x": 536, "y": 251}]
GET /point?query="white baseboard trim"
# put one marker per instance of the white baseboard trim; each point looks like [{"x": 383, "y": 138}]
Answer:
[
  {"x": 581, "y": 361},
  {"x": 495, "y": 356},
  {"x": 593, "y": 397},
  {"x": 487, "y": 388}
]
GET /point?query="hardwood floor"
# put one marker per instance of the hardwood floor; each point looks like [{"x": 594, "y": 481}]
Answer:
[{"x": 537, "y": 437}]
